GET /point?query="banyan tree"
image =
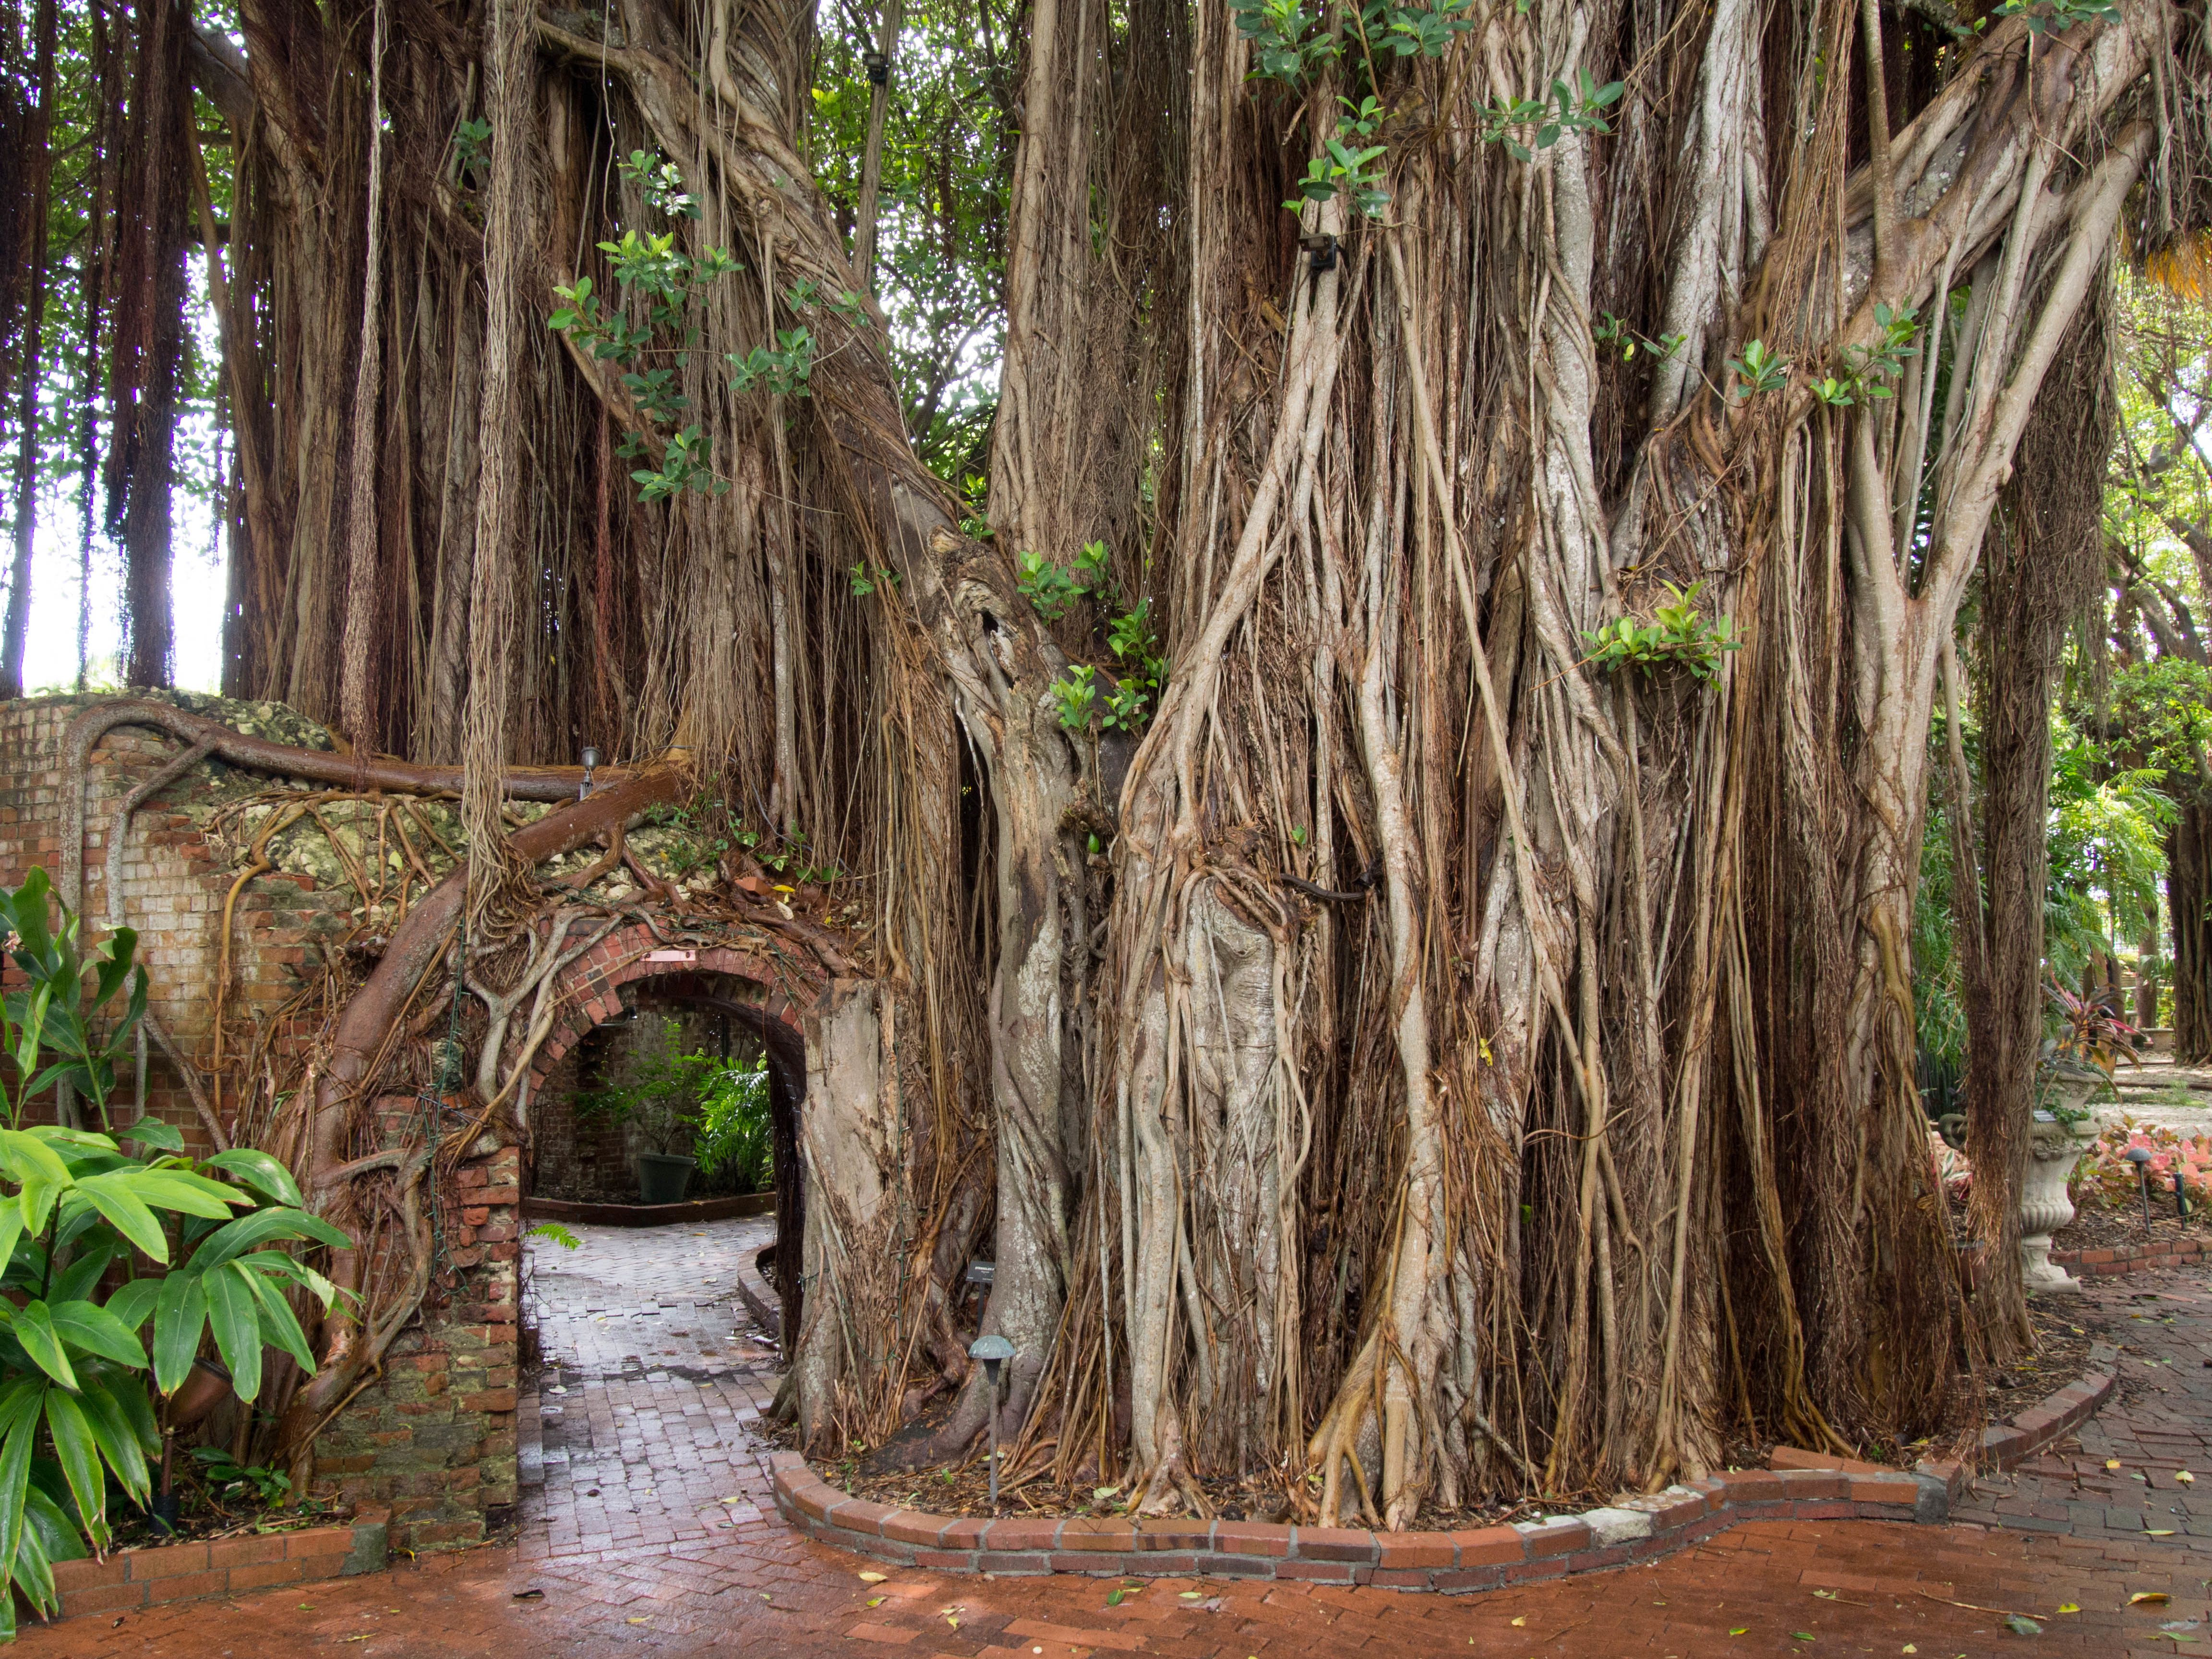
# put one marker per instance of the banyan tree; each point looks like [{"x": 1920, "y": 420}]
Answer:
[{"x": 1369, "y": 812}]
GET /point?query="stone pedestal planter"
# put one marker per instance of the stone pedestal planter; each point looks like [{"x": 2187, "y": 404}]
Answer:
[{"x": 2053, "y": 1148}]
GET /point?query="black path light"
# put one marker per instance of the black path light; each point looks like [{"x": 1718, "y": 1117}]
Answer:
[
  {"x": 2140, "y": 1156},
  {"x": 994, "y": 1350},
  {"x": 590, "y": 758}
]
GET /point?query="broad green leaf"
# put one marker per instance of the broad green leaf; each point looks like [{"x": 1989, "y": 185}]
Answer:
[
  {"x": 116, "y": 1431},
  {"x": 33, "y": 1569},
  {"x": 14, "y": 1483},
  {"x": 25, "y": 1154},
  {"x": 179, "y": 1316},
  {"x": 277, "y": 1264},
  {"x": 11, "y": 1231},
  {"x": 80, "y": 1459},
  {"x": 180, "y": 1189},
  {"x": 36, "y": 1201},
  {"x": 132, "y": 1301},
  {"x": 235, "y": 1317},
  {"x": 262, "y": 1227},
  {"x": 89, "y": 1325},
  {"x": 119, "y": 1195},
  {"x": 34, "y": 1329},
  {"x": 279, "y": 1324},
  {"x": 153, "y": 1131},
  {"x": 82, "y": 1277},
  {"x": 261, "y": 1172}
]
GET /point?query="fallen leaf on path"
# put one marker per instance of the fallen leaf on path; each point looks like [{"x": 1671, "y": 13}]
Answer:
[
  {"x": 1741, "y": 1630},
  {"x": 1909, "y": 1648},
  {"x": 871, "y": 1577},
  {"x": 2148, "y": 1598},
  {"x": 2111, "y": 1462},
  {"x": 1517, "y": 1624},
  {"x": 875, "y": 1601},
  {"x": 2184, "y": 1477},
  {"x": 520, "y": 1595},
  {"x": 2020, "y": 1625},
  {"x": 2068, "y": 1606}
]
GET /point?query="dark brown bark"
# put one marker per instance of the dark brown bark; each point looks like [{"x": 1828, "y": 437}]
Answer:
[
  {"x": 2188, "y": 895},
  {"x": 148, "y": 344},
  {"x": 2044, "y": 555},
  {"x": 40, "y": 152}
]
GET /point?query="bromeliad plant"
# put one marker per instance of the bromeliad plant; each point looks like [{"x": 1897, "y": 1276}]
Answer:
[{"x": 87, "y": 1364}]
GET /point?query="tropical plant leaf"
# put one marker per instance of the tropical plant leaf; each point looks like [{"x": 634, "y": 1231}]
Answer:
[
  {"x": 120, "y": 1196},
  {"x": 279, "y": 1324},
  {"x": 116, "y": 1432},
  {"x": 133, "y": 1301},
  {"x": 235, "y": 1316},
  {"x": 179, "y": 1316},
  {"x": 153, "y": 1131},
  {"x": 235, "y": 1238},
  {"x": 79, "y": 1452},
  {"x": 33, "y": 1328},
  {"x": 261, "y": 1172},
  {"x": 89, "y": 1325}
]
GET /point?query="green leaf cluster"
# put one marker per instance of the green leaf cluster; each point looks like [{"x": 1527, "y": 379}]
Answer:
[
  {"x": 2057, "y": 16},
  {"x": 1678, "y": 635},
  {"x": 1866, "y": 368},
  {"x": 1526, "y": 125},
  {"x": 1758, "y": 370}
]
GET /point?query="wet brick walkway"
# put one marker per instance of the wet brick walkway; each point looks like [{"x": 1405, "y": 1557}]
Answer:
[
  {"x": 2132, "y": 1474},
  {"x": 651, "y": 1533}
]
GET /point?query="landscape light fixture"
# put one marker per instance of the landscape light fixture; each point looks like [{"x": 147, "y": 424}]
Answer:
[
  {"x": 2140, "y": 1156},
  {"x": 1323, "y": 249},
  {"x": 994, "y": 1350},
  {"x": 591, "y": 764},
  {"x": 878, "y": 66}
]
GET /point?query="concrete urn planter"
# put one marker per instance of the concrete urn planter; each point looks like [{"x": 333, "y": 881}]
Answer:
[{"x": 2053, "y": 1149}]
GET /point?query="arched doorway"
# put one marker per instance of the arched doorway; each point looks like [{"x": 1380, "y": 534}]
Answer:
[{"x": 760, "y": 994}]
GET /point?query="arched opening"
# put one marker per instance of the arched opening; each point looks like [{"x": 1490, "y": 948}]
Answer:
[{"x": 717, "y": 1009}]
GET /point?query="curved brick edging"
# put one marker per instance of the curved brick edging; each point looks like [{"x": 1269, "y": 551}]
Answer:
[
  {"x": 1450, "y": 1562},
  {"x": 2011, "y": 1444},
  {"x": 1635, "y": 1529},
  {"x": 131, "y": 1579},
  {"x": 2134, "y": 1258}
]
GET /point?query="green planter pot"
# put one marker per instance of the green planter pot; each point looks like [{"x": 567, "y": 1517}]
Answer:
[{"x": 662, "y": 1178}]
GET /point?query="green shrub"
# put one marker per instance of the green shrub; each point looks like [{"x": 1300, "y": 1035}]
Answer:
[{"x": 202, "y": 1241}]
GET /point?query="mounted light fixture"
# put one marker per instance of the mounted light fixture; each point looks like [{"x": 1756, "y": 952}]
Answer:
[
  {"x": 590, "y": 758},
  {"x": 1322, "y": 248},
  {"x": 994, "y": 1350},
  {"x": 2140, "y": 1156},
  {"x": 878, "y": 66}
]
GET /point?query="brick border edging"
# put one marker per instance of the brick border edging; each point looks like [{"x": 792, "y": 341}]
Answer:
[
  {"x": 743, "y": 1205},
  {"x": 2010, "y": 1445},
  {"x": 2133, "y": 1258},
  {"x": 1635, "y": 1529},
  {"x": 128, "y": 1580},
  {"x": 1449, "y": 1562}
]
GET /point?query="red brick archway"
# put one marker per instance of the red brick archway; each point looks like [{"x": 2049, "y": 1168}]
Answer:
[{"x": 590, "y": 988}]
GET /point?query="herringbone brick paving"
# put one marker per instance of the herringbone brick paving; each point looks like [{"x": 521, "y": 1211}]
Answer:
[{"x": 652, "y": 1534}]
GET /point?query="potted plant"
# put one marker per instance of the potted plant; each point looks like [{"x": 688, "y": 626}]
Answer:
[{"x": 660, "y": 1102}]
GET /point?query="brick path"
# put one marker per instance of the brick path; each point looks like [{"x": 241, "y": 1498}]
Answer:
[
  {"x": 630, "y": 1547},
  {"x": 2126, "y": 1477}
]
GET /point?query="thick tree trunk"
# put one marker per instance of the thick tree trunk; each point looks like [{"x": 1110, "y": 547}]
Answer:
[{"x": 39, "y": 153}]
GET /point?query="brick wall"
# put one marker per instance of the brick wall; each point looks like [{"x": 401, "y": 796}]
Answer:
[
  {"x": 436, "y": 1438},
  {"x": 173, "y": 888}
]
